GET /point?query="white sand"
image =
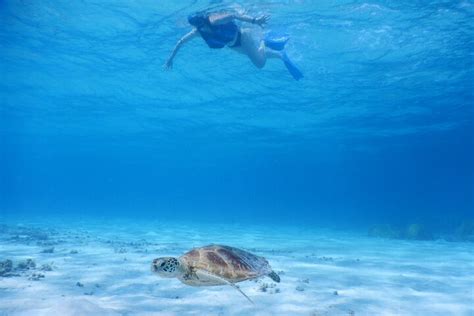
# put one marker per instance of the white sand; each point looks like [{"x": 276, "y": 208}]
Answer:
[{"x": 371, "y": 276}]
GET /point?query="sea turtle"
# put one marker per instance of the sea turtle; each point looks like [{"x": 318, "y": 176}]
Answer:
[{"x": 214, "y": 265}]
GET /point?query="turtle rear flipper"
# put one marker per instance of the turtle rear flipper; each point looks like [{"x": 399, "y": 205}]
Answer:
[{"x": 274, "y": 276}]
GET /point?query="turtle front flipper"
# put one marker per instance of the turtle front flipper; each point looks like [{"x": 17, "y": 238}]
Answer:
[
  {"x": 203, "y": 275},
  {"x": 190, "y": 274}
]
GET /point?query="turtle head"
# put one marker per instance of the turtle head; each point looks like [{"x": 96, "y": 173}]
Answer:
[{"x": 166, "y": 267}]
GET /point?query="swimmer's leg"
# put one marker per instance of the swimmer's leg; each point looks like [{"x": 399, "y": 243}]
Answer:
[
  {"x": 270, "y": 53},
  {"x": 277, "y": 44},
  {"x": 254, "y": 47}
]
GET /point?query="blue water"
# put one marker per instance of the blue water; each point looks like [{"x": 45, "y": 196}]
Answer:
[{"x": 380, "y": 130}]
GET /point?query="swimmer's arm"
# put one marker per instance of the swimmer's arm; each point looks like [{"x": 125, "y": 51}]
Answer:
[
  {"x": 223, "y": 18},
  {"x": 186, "y": 38}
]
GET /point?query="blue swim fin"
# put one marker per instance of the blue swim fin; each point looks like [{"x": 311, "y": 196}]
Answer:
[
  {"x": 276, "y": 41},
  {"x": 294, "y": 71}
]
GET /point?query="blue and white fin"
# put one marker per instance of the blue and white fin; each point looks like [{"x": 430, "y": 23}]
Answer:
[
  {"x": 292, "y": 68},
  {"x": 276, "y": 41}
]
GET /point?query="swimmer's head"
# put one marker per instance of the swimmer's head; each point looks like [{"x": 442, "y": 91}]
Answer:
[{"x": 198, "y": 19}]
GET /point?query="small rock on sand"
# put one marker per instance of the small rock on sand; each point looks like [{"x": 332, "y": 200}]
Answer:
[
  {"x": 46, "y": 267},
  {"x": 48, "y": 250},
  {"x": 26, "y": 264},
  {"x": 6, "y": 267},
  {"x": 36, "y": 276}
]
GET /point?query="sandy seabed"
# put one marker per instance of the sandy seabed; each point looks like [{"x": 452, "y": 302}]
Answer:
[{"x": 103, "y": 268}]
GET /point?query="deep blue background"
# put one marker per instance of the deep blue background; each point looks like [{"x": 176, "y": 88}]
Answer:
[{"x": 380, "y": 130}]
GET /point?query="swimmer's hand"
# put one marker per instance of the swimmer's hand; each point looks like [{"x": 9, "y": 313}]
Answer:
[
  {"x": 261, "y": 20},
  {"x": 168, "y": 65}
]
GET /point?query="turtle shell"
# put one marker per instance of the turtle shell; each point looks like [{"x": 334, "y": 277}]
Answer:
[{"x": 232, "y": 264}]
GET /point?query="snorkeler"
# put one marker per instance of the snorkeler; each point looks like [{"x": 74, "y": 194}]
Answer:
[{"x": 219, "y": 29}]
